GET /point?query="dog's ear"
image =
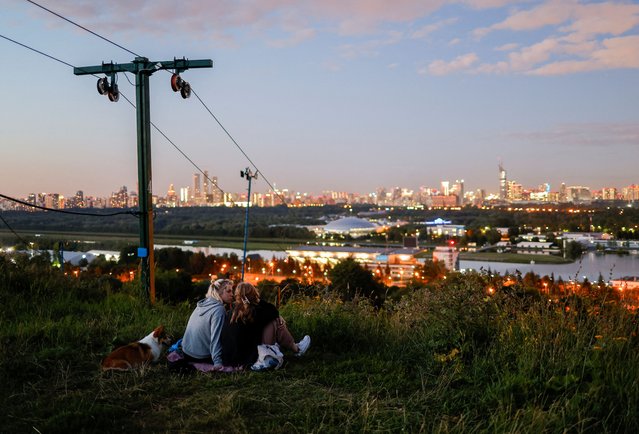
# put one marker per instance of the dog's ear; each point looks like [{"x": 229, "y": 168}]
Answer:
[{"x": 159, "y": 331}]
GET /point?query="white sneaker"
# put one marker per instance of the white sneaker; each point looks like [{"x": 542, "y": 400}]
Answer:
[{"x": 303, "y": 345}]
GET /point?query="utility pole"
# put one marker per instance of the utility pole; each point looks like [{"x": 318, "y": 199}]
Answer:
[
  {"x": 142, "y": 68},
  {"x": 246, "y": 173}
]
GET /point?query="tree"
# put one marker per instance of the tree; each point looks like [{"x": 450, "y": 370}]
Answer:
[
  {"x": 349, "y": 279},
  {"x": 573, "y": 250},
  {"x": 493, "y": 236},
  {"x": 433, "y": 270}
]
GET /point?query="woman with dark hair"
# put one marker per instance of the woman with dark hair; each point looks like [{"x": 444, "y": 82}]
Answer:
[{"x": 255, "y": 322}]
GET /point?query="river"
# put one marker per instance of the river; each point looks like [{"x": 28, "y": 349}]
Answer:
[{"x": 591, "y": 265}]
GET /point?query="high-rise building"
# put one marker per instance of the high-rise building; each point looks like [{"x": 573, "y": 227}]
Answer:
[
  {"x": 563, "y": 193},
  {"x": 120, "y": 199},
  {"x": 445, "y": 188},
  {"x": 458, "y": 190},
  {"x": 578, "y": 194},
  {"x": 515, "y": 191},
  {"x": 184, "y": 195},
  {"x": 78, "y": 199},
  {"x": 207, "y": 188},
  {"x": 171, "y": 197},
  {"x": 216, "y": 192},
  {"x": 631, "y": 193},
  {"x": 609, "y": 193},
  {"x": 503, "y": 183},
  {"x": 196, "y": 187}
]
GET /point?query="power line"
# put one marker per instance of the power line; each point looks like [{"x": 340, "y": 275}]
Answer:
[
  {"x": 83, "y": 28},
  {"x": 14, "y": 232},
  {"x": 180, "y": 151},
  {"x": 37, "y": 51},
  {"x": 238, "y": 146},
  {"x": 154, "y": 126},
  {"x": 62, "y": 211},
  {"x": 198, "y": 97},
  {"x": 128, "y": 100}
]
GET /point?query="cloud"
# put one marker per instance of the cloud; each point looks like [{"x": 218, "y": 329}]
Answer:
[
  {"x": 578, "y": 43},
  {"x": 591, "y": 134},
  {"x": 553, "y": 12},
  {"x": 614, "y": 53},
  {"x": 365, "y": 16},
  {"x": 583, "y": 19},
  {"x": 460, "y": 63},
  {"x": 295, "y": 37},
  {"x": 507, "y": 47},
  {"x": 430, "y": 28},
  {"x": 370, "y": 48},
  {"x": 454, "y": 41},
  {"x": 487, "y": 4}
]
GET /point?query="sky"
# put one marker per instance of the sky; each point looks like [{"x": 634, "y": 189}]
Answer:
[{"x": 347, "y": 95}]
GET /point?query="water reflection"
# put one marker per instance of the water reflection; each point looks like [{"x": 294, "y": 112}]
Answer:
[{"x": 591, "y": 266}]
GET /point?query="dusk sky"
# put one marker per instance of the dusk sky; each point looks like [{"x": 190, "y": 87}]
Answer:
[{"x": 346, "y": 95}]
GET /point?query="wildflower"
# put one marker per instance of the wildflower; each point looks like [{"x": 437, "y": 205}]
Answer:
[
  {"x": 620, "y": 338},
  {"x": 447, "y": 357},
  {"x": 598, "y": 336},
  {"x": 597, "y": 348}
]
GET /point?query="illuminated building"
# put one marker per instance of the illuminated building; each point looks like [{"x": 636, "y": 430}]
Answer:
[
  {"x": 196, "y": 187},
  {"x": 609, "y": 193},
  {"x": 352, "y": 226},
  {"x": 448, "y": 255},
  {"x": 503, "y": 183}
]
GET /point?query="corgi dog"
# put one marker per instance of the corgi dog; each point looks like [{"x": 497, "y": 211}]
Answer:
[{"x": 137, "y": 354}]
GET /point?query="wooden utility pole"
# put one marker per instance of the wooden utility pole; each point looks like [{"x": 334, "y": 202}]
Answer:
[{"x": 142, "y": 68}]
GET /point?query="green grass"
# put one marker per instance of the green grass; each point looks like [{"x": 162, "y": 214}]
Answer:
[
  {"x": 516, "y": 258},
  {"x": 117, "y": 239},
  {"x": 444, "y": 359}
]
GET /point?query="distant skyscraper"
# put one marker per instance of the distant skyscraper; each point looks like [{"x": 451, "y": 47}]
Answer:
[
  {"x": 459, "y": 191},
  {"x": 631, "y": 193},
  {"x": 184, "y": 195},
  {"x": 207, "y": 187},
  {"x": 445, "y": 188},
  {"x": 563, "y": 194},
  {"x": 608, "y": 193},
  {"x": 171, "y": 197},
  {"x": 216, "y": 192},
  {"x": 196, "y": 186},
  {"x": 503, "y": 183}
]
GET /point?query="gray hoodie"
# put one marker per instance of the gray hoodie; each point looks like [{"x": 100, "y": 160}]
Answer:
[{"x": 202, "y": 336}]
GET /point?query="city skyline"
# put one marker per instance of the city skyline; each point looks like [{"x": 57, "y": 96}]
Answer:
[
  {"x": 341, "y": 96},
  {"x": 438, "y": 188}
]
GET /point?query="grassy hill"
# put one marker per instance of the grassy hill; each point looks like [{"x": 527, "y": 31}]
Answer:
[{"x": 448, "y": 358}]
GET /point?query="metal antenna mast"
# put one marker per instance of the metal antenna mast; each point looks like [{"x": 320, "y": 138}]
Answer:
[
  {"x": 142, "y": 68},
  {"x": 246, "y": 173}
]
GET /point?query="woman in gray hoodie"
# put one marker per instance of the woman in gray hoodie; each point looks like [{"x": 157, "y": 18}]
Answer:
[{"x": 201, "y": 341}]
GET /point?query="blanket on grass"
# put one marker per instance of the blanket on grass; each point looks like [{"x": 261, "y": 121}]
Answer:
[{"x": 178, "y": 363}]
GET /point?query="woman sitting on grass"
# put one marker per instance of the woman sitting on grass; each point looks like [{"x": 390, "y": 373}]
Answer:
[
  {"x": 252, "y": 323},
  {"x": 201, "y": 341}
]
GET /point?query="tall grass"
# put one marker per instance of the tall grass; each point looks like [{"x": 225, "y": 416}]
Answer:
[{"x": 449, "y": 358}]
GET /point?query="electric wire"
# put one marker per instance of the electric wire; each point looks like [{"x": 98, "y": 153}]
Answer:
[
  {"x": 14, "y": 232},
  {"x": 181, "y": 152},
  {"x": 62, "y": 211},
  {"x": 157, "y": 129},
  {"x": 198, "y": 97},
  {"x": 239, "y": 147},
  {"x": 83, "y": 28},
  {"x": 129, "y": 101},
  {"x": 37, "y": 51}
]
